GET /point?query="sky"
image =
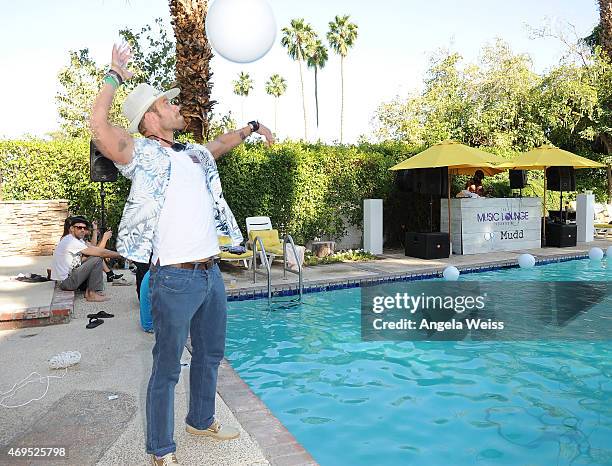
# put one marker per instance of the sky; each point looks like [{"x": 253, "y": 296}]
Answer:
[{"x": 396, "y": 39}]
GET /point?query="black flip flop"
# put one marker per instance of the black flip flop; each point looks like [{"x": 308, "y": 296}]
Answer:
[
  {"x": 100, "y": 315},
  {"x": 93, "y": 322}
]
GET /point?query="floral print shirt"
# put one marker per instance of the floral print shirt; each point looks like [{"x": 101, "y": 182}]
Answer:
[{"x": 149, "y": 171}]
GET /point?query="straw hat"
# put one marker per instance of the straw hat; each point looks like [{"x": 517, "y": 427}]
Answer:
[{"x": 139, "y": 100}]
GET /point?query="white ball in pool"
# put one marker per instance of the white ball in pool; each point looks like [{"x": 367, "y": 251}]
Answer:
[
  {"x": 609, "y": 252},
  {"x": 596, "y": 254},
  {"x": 526, "y": 261},
  {"x": 451, "y": 273},
  {"x": 241, "y": 31}
]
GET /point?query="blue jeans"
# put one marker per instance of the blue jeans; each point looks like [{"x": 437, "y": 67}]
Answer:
[{"x": 182, "y": 302}]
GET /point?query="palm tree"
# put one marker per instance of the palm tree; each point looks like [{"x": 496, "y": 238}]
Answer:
[
  {"x": 605, "y": 23},
  {"x": 341, "y": 36},
  {"x": 317, "y": 57},
  {"x": 242, "y": 86},
  {"x": 193, "y": 55},
  {"x": 296, "y": 39},
  {"x": 276, "y": 86}
]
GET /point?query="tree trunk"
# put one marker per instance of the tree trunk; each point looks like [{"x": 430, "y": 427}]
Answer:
[
  {"x": 605, "y": 20},
  {"x": 193, "y": 55},
  {"x": 342, "y": 98},
  {"x": 316, "y": 97},
  {"x": 275, "y": 115},
  {"x": 609, "y": 174},
  {"x": 607, "y": 143},
  {"x": 303, "y": 99}
]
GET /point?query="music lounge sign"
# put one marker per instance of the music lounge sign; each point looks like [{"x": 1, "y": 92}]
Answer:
[{"x": 496, "y": 224}]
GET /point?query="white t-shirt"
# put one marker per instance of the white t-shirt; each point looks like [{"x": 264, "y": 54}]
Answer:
[
  {"x": 67, "y": 256},
  {"x": 186, "y": 228}
]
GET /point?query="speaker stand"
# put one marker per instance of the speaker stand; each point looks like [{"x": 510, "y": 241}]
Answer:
[
  {"x": 102, "y": 209},
  {"x": 430, "y": 213}
]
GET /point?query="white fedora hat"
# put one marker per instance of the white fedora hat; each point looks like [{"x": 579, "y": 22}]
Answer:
[{"x": 139, "y": 100}]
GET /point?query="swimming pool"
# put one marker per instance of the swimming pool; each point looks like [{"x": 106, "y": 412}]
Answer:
[{"x": 426, "y": 403}]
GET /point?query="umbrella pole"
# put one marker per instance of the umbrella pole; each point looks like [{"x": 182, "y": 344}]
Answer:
[
  {"x": 544, "y": 222},
  {"x": 449, "y": 214}
]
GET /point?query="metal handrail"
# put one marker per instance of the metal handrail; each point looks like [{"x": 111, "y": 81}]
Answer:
[
  {"x": 289, "y": 239},
  {"x": 266, "y": 262}
]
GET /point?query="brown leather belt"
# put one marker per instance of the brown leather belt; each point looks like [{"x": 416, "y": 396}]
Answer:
[{"x": 200, "y": 265}]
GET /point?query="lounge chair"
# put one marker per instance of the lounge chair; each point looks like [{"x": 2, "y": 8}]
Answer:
[
  {"x": 258, "y": 223},
  {"x": 603, "y": 229},
  {"x": 245, "y": 257},
  {"x": 271, "y": 241}
]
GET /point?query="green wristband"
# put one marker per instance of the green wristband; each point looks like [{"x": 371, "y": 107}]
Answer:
[{"x": 110, "y": 79}]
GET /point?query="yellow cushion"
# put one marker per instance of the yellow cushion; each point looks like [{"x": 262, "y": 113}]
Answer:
[
  {"x": 229, "y": 255},
  {"x": 269, "y": 238},
  {"x": 603, "y": 225}
]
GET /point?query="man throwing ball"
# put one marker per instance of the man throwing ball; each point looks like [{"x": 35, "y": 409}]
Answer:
[{"x": 173, "y": 214}]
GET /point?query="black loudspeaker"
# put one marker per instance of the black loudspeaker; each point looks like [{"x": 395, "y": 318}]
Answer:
[
  {"x": 561, "y": 178},
  {"x": 404, "y": 180},
  {"x": 427, "y": 245},
  {"x": 518, "y": 179},
  {"x": 433, "y": 181},
  {"x": 100, "y": 168},
  {"x": 561, "y": 235}
]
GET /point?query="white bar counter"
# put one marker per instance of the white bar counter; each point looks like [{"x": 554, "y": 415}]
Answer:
[{"x": 492, "y": 224}]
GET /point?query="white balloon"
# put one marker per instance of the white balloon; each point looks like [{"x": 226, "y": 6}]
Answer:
[
  {"x": 241, "y": 31},
  {"x": 451, "y": 273},
  {"x": 526, "y": 261},
  {"x": 596, "y": 254},
  {"x": 609, "y": 252}
]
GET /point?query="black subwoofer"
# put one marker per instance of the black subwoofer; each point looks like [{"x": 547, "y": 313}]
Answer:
[
  {"x": 561, "y": 235},
  {"x": 100, "y": 168},
  {"x": 427, "y": 245}
]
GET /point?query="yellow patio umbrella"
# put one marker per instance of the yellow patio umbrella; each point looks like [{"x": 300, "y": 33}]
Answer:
[
  {"x": 546, "y": 156},
  {"x": 460, "y": 160}
]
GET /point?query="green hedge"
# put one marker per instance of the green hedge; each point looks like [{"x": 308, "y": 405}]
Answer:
[
  {"x": 306, "y": 189},
  {"x": 59, "y": 169}
]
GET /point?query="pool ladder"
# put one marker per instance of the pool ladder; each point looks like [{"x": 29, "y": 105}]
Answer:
[{"x": 257, "y": 242}]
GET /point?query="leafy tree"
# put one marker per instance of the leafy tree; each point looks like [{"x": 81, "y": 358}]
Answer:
[
  {"x": 296, "y": 39},
  {"x": 317, "y": 58},
  {"x": 341, "y": 36},
  {"x": 154, "y": 55},
  {"x": 81, "y": 80},
  {"x": 242, "y": 86},
  {"x": 276, "y": 87}
]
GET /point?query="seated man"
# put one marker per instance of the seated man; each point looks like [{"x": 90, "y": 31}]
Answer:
[
  {"x": 67, "y": 267},
  {"x": 110, "y": 275}
]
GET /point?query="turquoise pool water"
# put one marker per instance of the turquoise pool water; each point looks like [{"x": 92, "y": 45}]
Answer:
[{"x": 426, "y": 403}]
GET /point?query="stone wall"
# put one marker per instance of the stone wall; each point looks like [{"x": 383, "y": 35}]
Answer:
[{"x": 31, "y": 228}]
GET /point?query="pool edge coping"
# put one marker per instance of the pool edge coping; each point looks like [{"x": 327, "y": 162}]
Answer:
[
  {"x": 278, "y": 445},
  {"x": 315, "y": 286}
]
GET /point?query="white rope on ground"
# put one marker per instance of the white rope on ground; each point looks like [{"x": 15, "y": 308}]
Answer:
[{"x": 59, "y": 361}]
